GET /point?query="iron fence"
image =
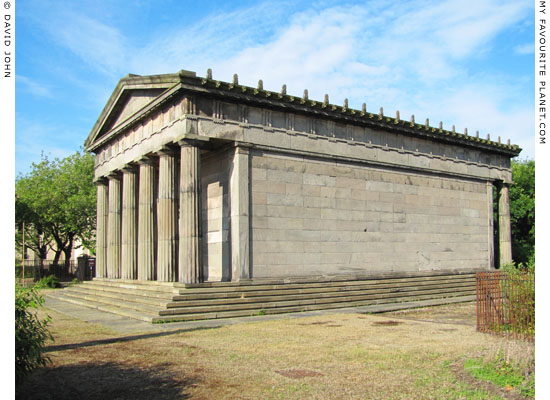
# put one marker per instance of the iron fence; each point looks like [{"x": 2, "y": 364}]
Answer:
[
  {"x": 81, "y": 269},
  {"x": 506, "y": 303}
]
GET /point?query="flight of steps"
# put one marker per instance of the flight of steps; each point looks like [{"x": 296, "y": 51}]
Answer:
[{"x": 159, "y": 302}]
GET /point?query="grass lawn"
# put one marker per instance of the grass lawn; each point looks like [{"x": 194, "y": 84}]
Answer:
[{"x": 406, "y": 355}]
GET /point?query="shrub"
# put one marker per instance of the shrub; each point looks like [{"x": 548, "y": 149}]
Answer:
[
  {"x": 48, "y": 282},
  {"x": 31, "y": 333}
]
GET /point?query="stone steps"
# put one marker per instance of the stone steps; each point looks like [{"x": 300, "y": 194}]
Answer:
[
  {"x": 268, "y": 296},
  {"x": 219, "y": 287},
  {"x": 121, "y": 302},
  {"x": 281, "y": 303},
  {"x": 293, "y": 289},
  {"x": 147, "y": 296},
  {"x": 124, "y": 296},
  {"x": 126, "y": 312},
  {"x": 165, "y": 302},
  {"x": 146, "y": 286},
  {"x": 444, "y": 299}
]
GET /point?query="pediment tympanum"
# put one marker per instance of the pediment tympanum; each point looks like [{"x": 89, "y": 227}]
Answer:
[{"x": 132, "y": 95}]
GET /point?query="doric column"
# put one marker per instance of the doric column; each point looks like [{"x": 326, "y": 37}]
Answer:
[
  {"x": 239, "y": 199},
  {"x": 129, "y": 223},
  {"x": 146, "y": 221},
  {"x": 166, "y": 217},
  {"x": 190, "y": 257},
  {"x": 114, "y": 231},
  {"x": 490, "y": 227},
  {"x": 505, "y": 233},
  {"x": 101, "y": 231}
]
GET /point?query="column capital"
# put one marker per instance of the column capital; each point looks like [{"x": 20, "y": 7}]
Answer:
[
  {"x": 502, "y": 184},
  {"x": 168, "y": 150},
  {"x": 116, "y": 174},
  {"x": 242, "y": 148},
  {"x": 190, "y": 139},
  {"x": 130, "y": 167},
  {"x": 102, "y": 180},
  {"x": 148, "y": 159}
]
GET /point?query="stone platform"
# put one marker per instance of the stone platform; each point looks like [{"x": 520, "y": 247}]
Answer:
[{"x": 159, "y": 302}]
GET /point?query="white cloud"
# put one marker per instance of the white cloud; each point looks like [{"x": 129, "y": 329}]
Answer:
[
  {"x": 99, "y": 45},
  {"x": 475, "y": 107},
  {"x": 209, "y": 40},
  {"x": 417, "y": 56},
  {"x": 33, "y": 87},
  {"x": 527, "y": 48},
  {"x": 104, "y": 48},
  {"x": 432, "y": 37},
  {"x": 38, "y": 137}
]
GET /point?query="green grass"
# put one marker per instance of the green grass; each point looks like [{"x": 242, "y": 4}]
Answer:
[{"x": 501, "y": 374}]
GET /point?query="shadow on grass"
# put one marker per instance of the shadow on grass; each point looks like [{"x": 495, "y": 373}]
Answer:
[
  {"x": 120, "y": 339},
  {"x": 103, "y": 381}
]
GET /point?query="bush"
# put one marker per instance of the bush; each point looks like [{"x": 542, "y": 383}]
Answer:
[
  {"x": 31, "y": 333},
  {"x": 48, "y": 282}
]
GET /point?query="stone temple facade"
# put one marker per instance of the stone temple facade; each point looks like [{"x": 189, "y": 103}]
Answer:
[{"x": 200, "y": 180}]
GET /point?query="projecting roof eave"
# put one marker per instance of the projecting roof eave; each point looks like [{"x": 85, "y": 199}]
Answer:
[
  {"x": 189, "y": 82},
  {"x": 284, "y": 102}
]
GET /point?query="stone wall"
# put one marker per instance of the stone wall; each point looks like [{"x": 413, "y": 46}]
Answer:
[{"x": 313, "y": 217}]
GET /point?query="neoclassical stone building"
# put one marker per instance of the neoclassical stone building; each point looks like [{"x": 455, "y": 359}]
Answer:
[{"x": 201, "y": 180}]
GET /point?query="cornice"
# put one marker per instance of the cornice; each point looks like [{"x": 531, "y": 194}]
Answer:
[{"x": 187, "y": 81}]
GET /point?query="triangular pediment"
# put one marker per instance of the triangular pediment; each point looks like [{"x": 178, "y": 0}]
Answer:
[
  {"x": 134, "y": 100},
  {"x": 132, "y": 95}
]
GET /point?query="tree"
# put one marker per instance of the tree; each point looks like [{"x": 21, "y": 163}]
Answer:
[
  {"x": 522, "y": 211},
  {"x": 34, "y": 232},
  {"x": 57, "y": 202}
]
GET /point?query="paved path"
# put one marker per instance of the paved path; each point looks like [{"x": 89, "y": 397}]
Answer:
[{"x": 128, "y": 325}]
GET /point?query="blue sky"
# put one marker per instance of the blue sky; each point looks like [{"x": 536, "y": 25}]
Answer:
[{"x": 466, "y": 63}]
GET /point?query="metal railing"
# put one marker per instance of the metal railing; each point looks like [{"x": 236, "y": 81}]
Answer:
[
  {"x": 81, "y": 269},
  {"x": 506, "y": 303}
]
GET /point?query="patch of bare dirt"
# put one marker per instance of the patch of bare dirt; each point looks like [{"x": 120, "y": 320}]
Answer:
[
  {"x": 387, "y": 323},
  {"x": 298, "y": 373}
]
